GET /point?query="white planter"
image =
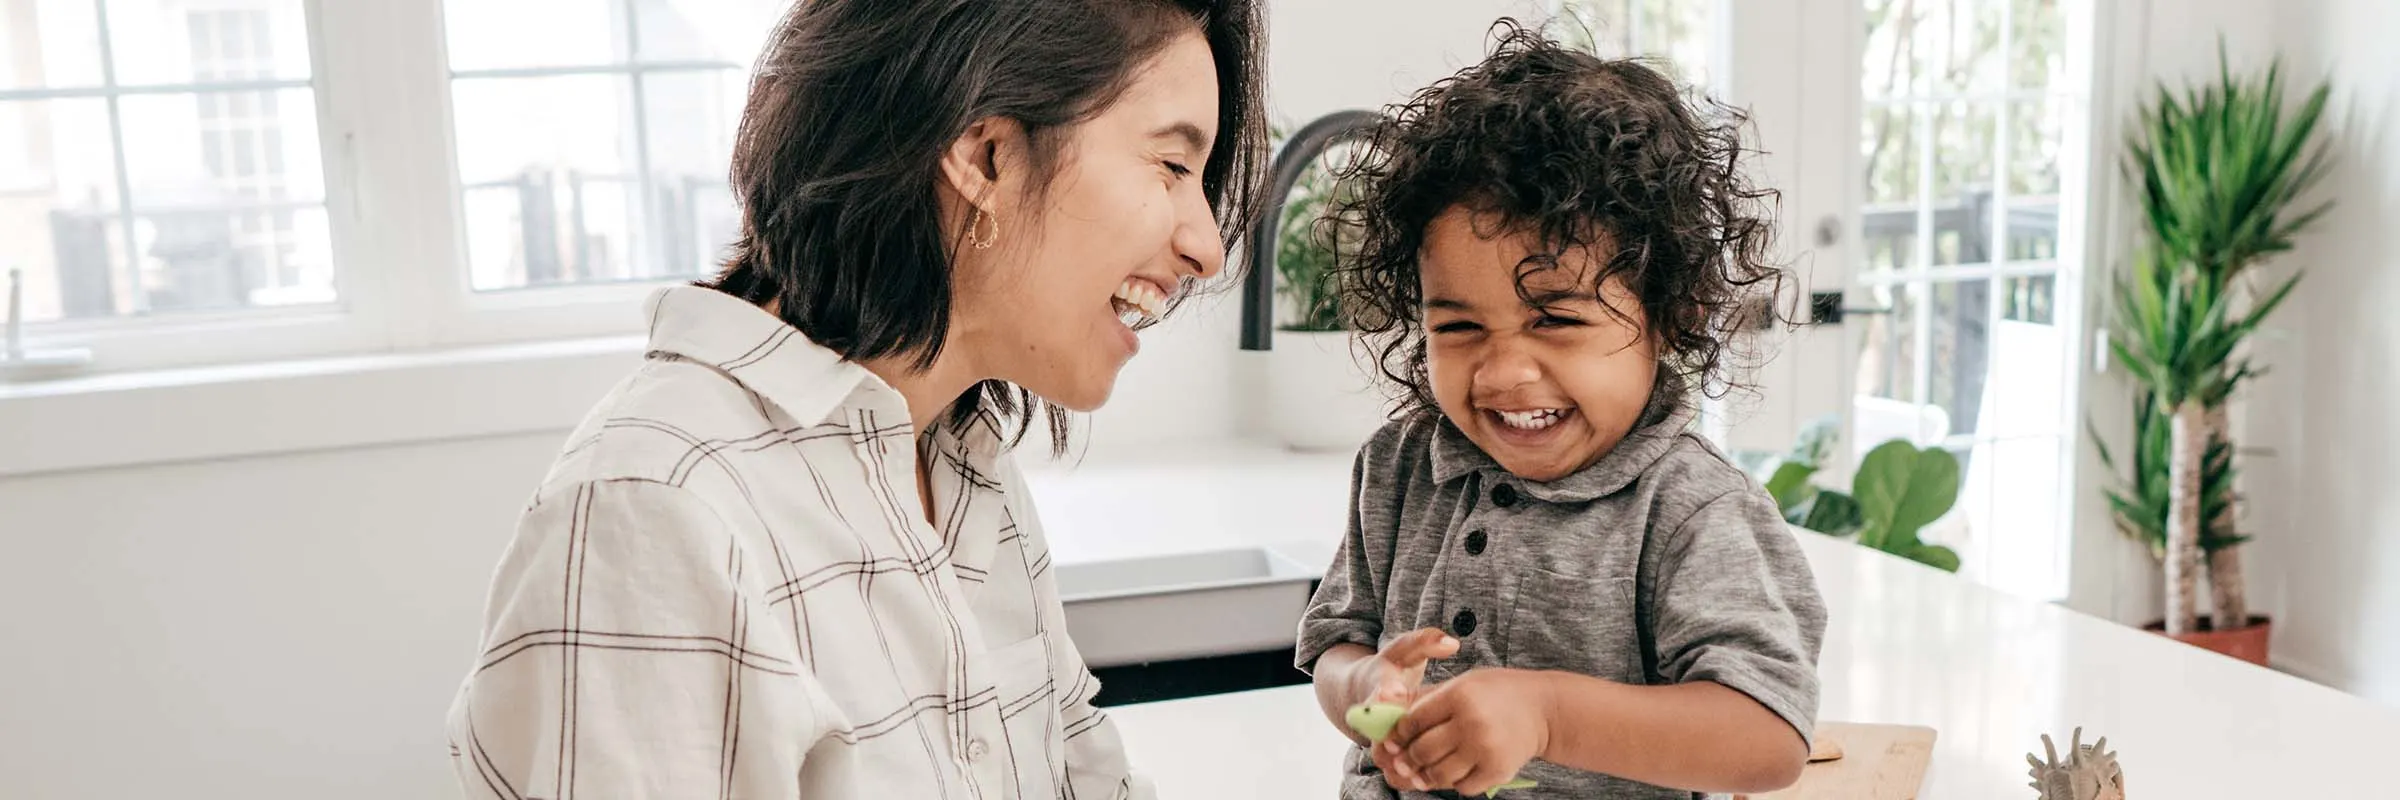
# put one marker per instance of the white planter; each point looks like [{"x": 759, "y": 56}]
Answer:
[{"x": 1321, "y": 396}]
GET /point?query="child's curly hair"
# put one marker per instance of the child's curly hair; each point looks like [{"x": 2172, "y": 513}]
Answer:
[{"x": 1576, "y": 150}]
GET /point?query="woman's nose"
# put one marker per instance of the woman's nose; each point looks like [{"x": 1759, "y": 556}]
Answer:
[{"x": 1197, "y": 242}]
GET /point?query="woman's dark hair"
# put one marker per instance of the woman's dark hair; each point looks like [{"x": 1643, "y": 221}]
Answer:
[
  {"x": 1576, "y": 151},
  {"x": 852, "y": 105}
]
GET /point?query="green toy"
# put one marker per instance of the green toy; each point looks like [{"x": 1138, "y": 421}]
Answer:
[{"x": 1376, "y": 720}]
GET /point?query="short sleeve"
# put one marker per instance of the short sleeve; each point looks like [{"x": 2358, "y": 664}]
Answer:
[
  {"x": 1736, "y": 604},
  {"x": 1348, "y": 604}
]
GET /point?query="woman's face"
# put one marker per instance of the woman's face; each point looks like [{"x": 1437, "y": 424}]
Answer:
[{"x": 1122, "y": 224}]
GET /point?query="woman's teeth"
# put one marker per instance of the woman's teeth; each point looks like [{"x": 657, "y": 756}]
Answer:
[
  {"x": 1531, "y": 420},
  {"x": 1138, "y": 297}
]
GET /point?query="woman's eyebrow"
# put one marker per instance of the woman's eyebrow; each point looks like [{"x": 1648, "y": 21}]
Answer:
[{"x": 1188, "y": 132}]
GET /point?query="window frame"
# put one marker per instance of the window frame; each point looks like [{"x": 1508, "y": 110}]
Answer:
[{"x": 392, "y": 196}]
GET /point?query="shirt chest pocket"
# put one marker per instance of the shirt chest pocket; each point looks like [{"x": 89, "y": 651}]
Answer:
[
  {"x": 1026, "y": 712},
  {"x": 1581, "y": 625}
]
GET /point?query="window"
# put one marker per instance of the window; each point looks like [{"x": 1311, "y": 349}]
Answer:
[
  {"x": 598, "y": 153},
  {"x": 161, "y": 157},
  {"x": 207, "y": 181},
  {"x": 1682, "y": 33},
  {"x": 1975, "y": 119}
]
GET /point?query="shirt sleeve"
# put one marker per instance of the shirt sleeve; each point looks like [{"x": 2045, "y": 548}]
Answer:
[
  {"x": 1096, "y": 766},
  {"x": 627, "y": 652},
  {"x": 1737, "y": 605},
  {"x": 1348, "y": 604}
]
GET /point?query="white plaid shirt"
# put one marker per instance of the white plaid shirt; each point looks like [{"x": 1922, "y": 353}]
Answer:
[{"x": 726, "y": 588}]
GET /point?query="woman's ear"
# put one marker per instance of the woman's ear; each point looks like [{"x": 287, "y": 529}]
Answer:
[{"x": 983, "y": 160}]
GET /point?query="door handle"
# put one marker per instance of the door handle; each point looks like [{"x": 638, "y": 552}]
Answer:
[{"x": 1826, "y": 308}]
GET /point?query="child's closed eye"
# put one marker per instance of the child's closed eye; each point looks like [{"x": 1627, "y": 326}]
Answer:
[
  {"x": 1556, "y": 321},
  {"x": 1459, "y": 326}
]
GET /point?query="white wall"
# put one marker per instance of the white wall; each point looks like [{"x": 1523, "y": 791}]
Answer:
[
  {"x": 2324, "y": 506},
  {"x": 292, "y": 626}
]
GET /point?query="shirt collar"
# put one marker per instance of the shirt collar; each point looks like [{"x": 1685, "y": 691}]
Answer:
[
  {"x": 1454, "y": 456},
  {"x": 759, "y": 351}
]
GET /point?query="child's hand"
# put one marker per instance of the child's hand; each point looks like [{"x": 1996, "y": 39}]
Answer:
[
  {"x": 1393, "y": 675},
  {"x": 1471, "y": 733}
]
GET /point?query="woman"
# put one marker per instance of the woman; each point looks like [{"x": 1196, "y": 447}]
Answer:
[{"x": 788, "y": 557}]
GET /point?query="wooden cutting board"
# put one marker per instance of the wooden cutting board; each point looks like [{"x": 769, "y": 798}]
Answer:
[{"x": 1855, "y": 761}]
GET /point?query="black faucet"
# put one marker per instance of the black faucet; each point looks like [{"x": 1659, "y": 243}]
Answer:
[{"x": 1302, "y": 149}]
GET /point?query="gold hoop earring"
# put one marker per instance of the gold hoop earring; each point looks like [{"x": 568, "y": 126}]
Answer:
[{"x": 975, "y": 223}]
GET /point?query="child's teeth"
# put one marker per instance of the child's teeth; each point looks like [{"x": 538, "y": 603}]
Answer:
[{"x": 1531, "y": 420}]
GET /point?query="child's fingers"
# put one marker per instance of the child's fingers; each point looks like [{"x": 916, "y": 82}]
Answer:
[
  {"x": 1428, "y": 712},
  {"x": 1446, "y": 772},
  {"x": 1480, "y": 779},
  {"x": 1419, "y": 646},
  {"x": 1431, "y": 747},
  {"x": 1396, "y": 769}
]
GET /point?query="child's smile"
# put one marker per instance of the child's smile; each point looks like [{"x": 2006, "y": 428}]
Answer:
[{"x": 1546, "y": 386}]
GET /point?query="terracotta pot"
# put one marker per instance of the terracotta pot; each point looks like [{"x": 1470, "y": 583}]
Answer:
[{"x": 2248, "y": 643}]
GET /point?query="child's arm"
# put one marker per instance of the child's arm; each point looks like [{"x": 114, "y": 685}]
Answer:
[{"x": 1477, "y": 730}]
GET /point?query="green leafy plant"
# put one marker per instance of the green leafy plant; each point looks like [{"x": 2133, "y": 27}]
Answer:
[
  {"x": 1305, "y": 254},
  {"x": 2220, "y": 167},
  {"x": 1897, "y": 491},
  {"x": 1900, "y": 489}
]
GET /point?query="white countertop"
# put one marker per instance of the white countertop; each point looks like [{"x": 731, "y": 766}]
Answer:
[{"x": 1906, "y": 644}]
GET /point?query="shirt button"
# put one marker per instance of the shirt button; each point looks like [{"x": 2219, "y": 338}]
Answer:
[
  {"x": 1464, "y": 624},
  {"x": 1504, "y": 495},
  {"x": 975, "y": 750},
  {"x": 1475, "y": 542}
]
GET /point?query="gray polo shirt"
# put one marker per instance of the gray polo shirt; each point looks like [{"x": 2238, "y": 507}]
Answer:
[{"x": 1661, "y": 563}]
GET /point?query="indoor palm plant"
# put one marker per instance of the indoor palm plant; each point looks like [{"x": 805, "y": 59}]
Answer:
[{"x": 2220, "y": 169}]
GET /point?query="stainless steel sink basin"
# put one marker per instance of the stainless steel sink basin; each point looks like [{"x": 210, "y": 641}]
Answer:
[{"x": 1188, "y": 605}]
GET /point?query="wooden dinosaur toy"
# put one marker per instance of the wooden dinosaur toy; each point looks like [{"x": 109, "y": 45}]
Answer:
[{"x": 2089, "y": 773}]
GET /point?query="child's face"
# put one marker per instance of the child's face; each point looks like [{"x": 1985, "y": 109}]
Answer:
[{"x": 1545, "y": 391}]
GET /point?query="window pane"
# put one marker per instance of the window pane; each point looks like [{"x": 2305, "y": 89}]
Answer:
[
  {"x": 2036, "y": 155},
  {"x": 1887, "y": 354},
  {"x": 692, "y": 117},
  {"x": 616, "y": 169},
  {"x": 728, "y": 31},
  {"x": 1963, "y": 152},
  {"x": 177, "y": 42},
  {"x": 220, "y": 222},
  {"x": 2031, "y": 299},
  {"x": 551, "y": 176},
  {"x": 1961, "y": 358},
  {"x": 1940, "y": 48},
  {"x": 1681, "y": 33},
  {"x": 1597, "y": 26},
  {"x": 1888, "y": 221},
  {"x": 51, "y": 43},
  {"x": 1933, "y": 48},
  {"x": 187, "y": 149},
  {"x": 2037, "y": 45},
  {"x": 484, "y": 34},
  {"x": 200, "y": 258},
  {"x": 58, "y": 195}
]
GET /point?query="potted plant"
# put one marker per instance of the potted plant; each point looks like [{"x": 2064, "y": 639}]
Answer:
[
  {"x": 1898, "y": 490},
  {"x": 1323, "y": 396},
  {"x": 2220, "y": 168}
]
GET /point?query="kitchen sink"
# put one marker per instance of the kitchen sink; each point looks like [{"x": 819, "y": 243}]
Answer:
[{"x": 1187, "y": 605}]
